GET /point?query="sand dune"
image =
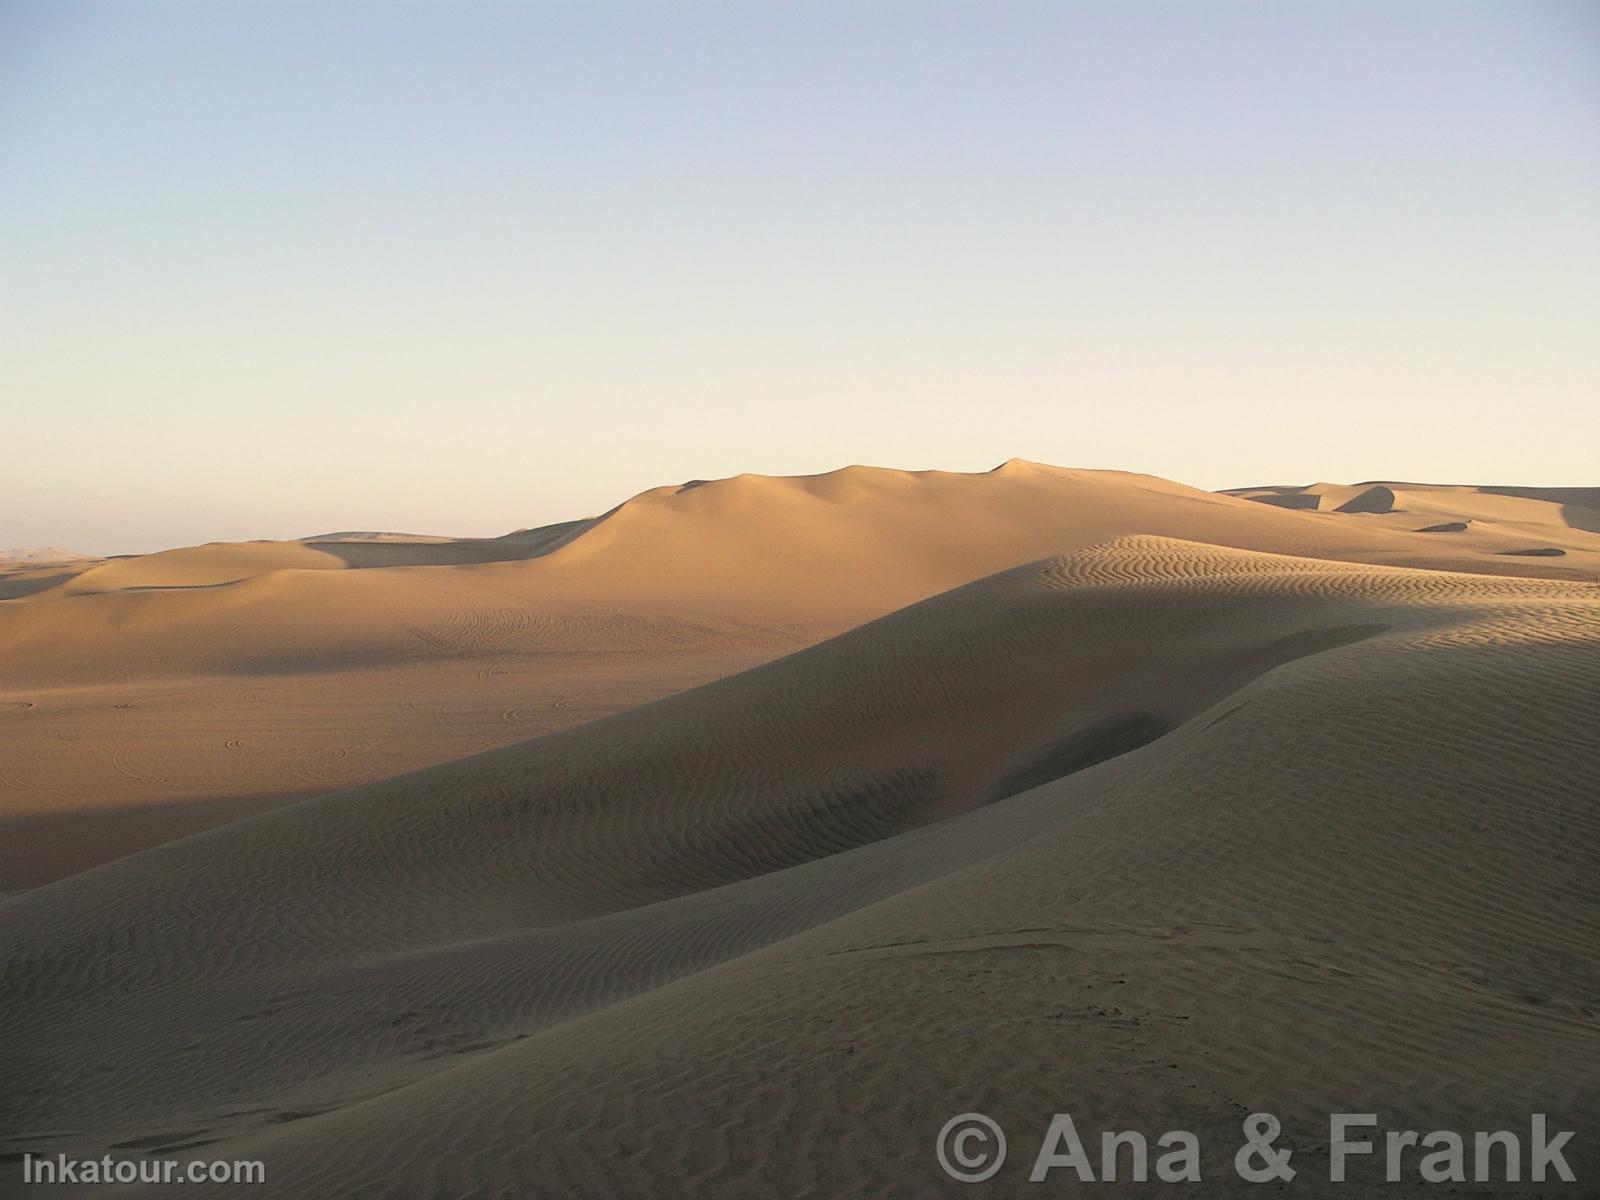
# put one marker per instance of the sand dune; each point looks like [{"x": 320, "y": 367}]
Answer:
[
  {"x": 814, "y": 553},
  {"x": 1501, "y": 519},
  {"x": 1155, "y": 832},
  {"x": 144, "y": 698}
]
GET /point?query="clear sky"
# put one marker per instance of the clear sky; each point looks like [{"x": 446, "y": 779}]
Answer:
[{"x": 272, "y": 269}]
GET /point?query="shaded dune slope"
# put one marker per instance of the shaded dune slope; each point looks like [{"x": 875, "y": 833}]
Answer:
[{"x": 771, "y": 921}]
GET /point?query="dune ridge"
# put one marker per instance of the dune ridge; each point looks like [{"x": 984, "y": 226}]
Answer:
[{"x": 824, "y": 552}]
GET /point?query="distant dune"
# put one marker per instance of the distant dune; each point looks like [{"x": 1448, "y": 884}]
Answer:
[
  {"x": 1503, "y": 518},
  {"x": 40, "y": 554},
  {"x": 372, "y": 535},
  {"x": 1153, "y": 831}
]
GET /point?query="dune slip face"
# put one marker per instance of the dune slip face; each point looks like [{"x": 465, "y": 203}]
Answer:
[{"x": 1158, "y": 832}]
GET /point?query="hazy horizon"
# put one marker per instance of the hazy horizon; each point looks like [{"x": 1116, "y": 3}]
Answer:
[{"x": 271, "y": 271}]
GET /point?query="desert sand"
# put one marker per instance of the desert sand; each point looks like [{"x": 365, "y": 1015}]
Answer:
[
  {"x": 728, "y": 843},
  {"x": 145, "y": 698}
]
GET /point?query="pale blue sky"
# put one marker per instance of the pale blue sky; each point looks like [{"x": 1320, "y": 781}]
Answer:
[{"x": 271, "y": 269}]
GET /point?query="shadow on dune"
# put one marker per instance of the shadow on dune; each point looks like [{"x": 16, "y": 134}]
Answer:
[
  {"x": 13, "y": 589},
  {"x": 1376, "y": 499},
  {"x": 1295, "y": 500},
  {"x": 513, "y": 547},
  {"x": 1581, "y": 516},
  {"x": 1580, "y": 506},
  {"x": 1104, "y": 739},
  {"x": 1122, "y": 733}
]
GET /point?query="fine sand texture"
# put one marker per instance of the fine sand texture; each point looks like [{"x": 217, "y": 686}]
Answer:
[
  {"x": 145, "y": 698},
  {"x": 1158, "y": 830}
]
